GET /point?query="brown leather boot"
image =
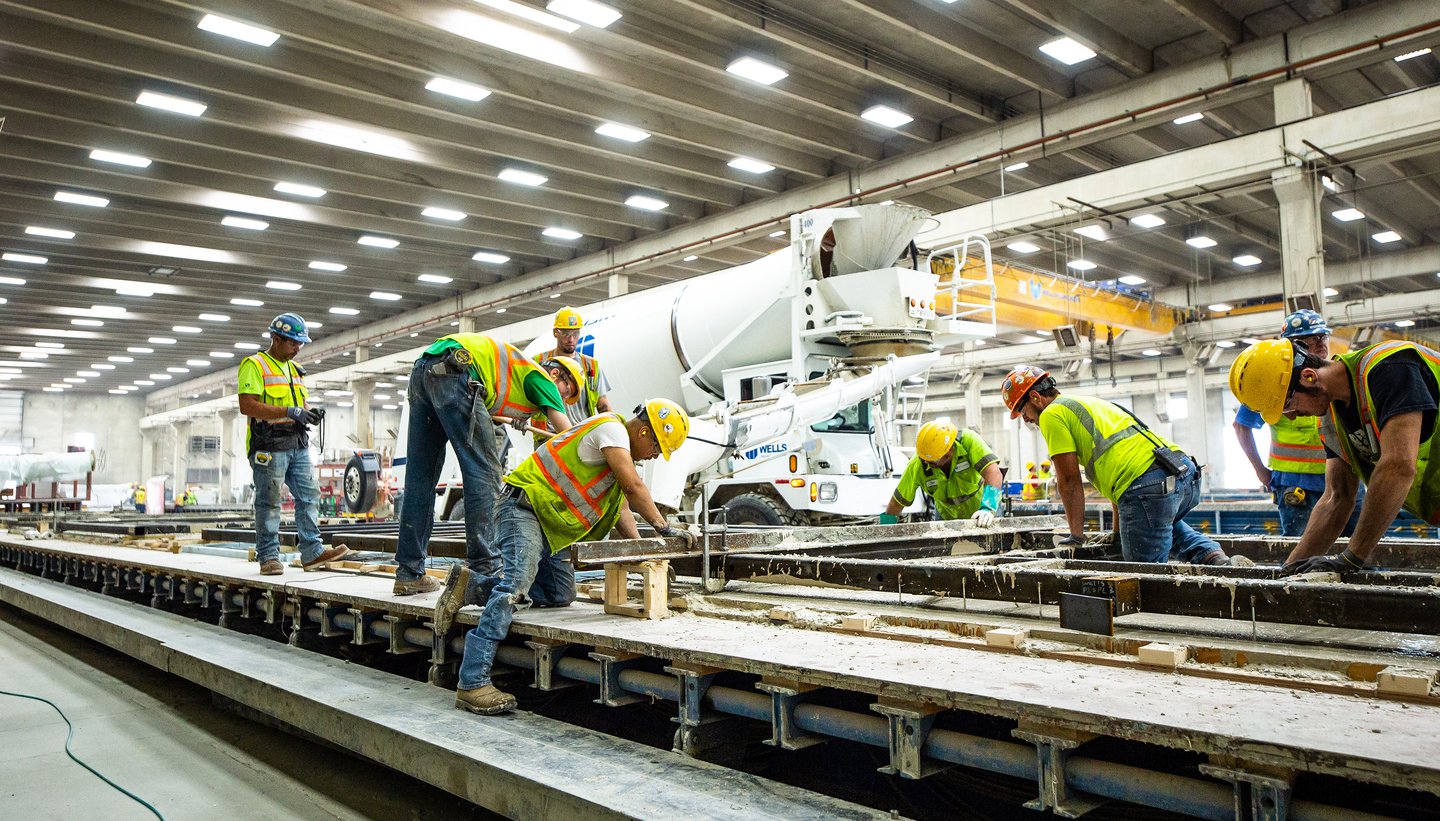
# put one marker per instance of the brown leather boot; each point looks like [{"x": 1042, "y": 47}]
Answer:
[
  {"x": 409, "y": 587},
  {"x": 272, "y": 567},
  {"x": 487, "y": 701},
  {"x": 457, "y": 583},
  {"x": 333, "y": 554}
]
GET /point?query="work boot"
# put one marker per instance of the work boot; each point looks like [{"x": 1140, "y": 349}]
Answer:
[
  {"x": 409, "y": 587},
  {"x": 333, "y": 554},
  {"x": 1241, "y": 561},
  {"x": 487, "y": 701},
  {"x": 271, "y": 567},
  {"x": 457, "y": 584}
]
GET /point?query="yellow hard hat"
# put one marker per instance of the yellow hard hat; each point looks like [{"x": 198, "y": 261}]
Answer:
[
  {"x": 1029, "y": 465},
  {"x": 568, "y": 319},
  {"x": 571, "y": 367},
  {"x": 1260, "y": 377},
  {"x": 935, "y": 440},
  {"x": 670, "y": 423}
]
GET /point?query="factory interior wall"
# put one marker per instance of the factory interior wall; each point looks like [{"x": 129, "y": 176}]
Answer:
[{"x": 54, "y": 421}]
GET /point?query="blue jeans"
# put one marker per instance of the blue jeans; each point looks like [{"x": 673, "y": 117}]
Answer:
[
  {"x": 527, "y": 559},
  {"x": 440, "y": 413},
  {"x": 1152, "y": 521},
  {"x": 1293, "y": 518},
  {"x": 293, "y": 468}
]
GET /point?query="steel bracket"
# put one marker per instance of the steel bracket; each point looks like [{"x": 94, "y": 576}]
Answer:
[
  {"x": 1053, "y": 745},
  {"x": 360, "y": 626},
  {"x": 909, "y": 726},
  {"x": 135, "y": 580},
  {"x": 1261, "y": 793},
  {"x": 612, "y": 663},
  {"x": 398, "y": 625},
  {"x": 548, "y": 653},
  {"x": 296, "y": 605},
  {"x": 106, "y": 574},
  {"x": 784, "y": 695},
  {"x": 328, "y": 628},
  {"x": 439, "y": 659},
  {"x": 695, "y": 679},
  {"x": 228, "y": 607}
]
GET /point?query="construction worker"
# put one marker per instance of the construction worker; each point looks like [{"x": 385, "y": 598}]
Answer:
[
  {"x": 188, "y": 498},
  {"x": 956, "y": 469},
  {"x": 576, "y": 487},
  {"x": 579, "y": 407},
  {"x": 272, "y": 395},
  {"x": 448, "y": 386},
  {"x": 1043, "y": 481},
  {"x": 1030, "y": 490},
  {"x": 568, "y": 325},
  {"x": 139, "y": 497},
  {"x": 1295, "y": 475},
  {"x": 1149, "y": 480},
  {"x": 1377, "y": 407}
]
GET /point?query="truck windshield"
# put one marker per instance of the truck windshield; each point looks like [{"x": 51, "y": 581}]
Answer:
[{"x": 854, "y": 419}]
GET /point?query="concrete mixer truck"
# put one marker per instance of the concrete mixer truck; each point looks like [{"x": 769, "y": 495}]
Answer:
[{"x": 788, "y": 364}]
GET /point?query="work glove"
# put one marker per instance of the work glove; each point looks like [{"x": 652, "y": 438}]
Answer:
[
  {"x": 1342, "y": 563},
  {"x": 520, "y": 423},
  {"x": 672, "y": 532},
  {"x": 889, "y": 519},
  {"x": 303, "y": 415},
  {"x": 983, "y": 517}
]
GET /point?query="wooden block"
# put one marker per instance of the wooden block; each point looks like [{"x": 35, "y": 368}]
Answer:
[
  {"x": 593, "y": 592},
  {"x": 654, "y": 589},
  {"x": 437, "y": 572},
  {"x": 1164, "y": 655},
  {"x": 782, "y": 614},
  {"x": 1404, "y": 682},
  {"x": 1006, "y": 637},
  {"x": 679, "y": 603},
  {"x": 857, "y": 622}
]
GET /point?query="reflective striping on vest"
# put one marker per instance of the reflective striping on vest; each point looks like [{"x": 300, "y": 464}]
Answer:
[
  {"x": 271, "y": 377},
  {"x": 1087, "y": 422},
  {"x": 584, "y": 500},
  {"x": 1298, "y": 453},
  {"x": 1370, "y": 359}
]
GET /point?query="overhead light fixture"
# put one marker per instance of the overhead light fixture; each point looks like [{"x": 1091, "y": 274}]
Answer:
[
  {"x": 1246, "y": 260},
  {"x": 177, "y": 369},
  {"x": 124, "y": 360},
  {"x": 246, "y": 223},
  {"x": 167, "y": 102},
  {"x": 185, "y": 329},
  {"x": 369, "y": 141},
  {"x": 107, "y": 310},
  {"x": 81, "y": 199},
  {"x": 1019, "y": 166},
  {"x": 1081, "y": 265},
  {"x": 487, "y": 256},
  {"x": 161, "y": 377},
  {"x": 135, "y": 289},
  {"x": 1330, "y": 183},
  {"x": 776, "y": 234},
  {"x": 246, "y": 346},
  {"x": 145, "y": 382},
  {"x": 11, "y": 281},
  {"x": 497, "y": 310},
  {"x": 238, "y": 30},
  {"x": 1404, "y": 323},
  {"x": 119, "y": 158},
  {"x": 163, "y": 271},
  {"x": 690, "y": 258},
  {"x": 311, "y": 324},
  {"x": 1201, "y": 241},
  {"x": 750, "y": 166},
  {"x": 561, "y": 233},
  {"x": 1189, "y": 118},
  {"x": 1023, "y": 247},
  {"x": 73, "y": 380},
  {"x": 321, "y": 265},
  {"x": 1250, "y": 340},
  {"x": 34, "y": 355},
  {"x": 455, "y": 88},
  {"x": 101, "y": 366},
  {"x": 645, "y": 203},
  {"x": 298, "y": 190},
  {"x": 87, "y": 323},
  {"x": 757, "y": 71},
  {"x": 384, "y": 296},
  {"x": 344, "y": 311},
  {"x": 437, "y": 279},
  {"x": 54, "y": 345},
  {"x": 198, "y": 363},
  {"x": 1132, "y": 279},
  {"x": 1094, "y": 231},
  {"x": 520, "y": 177},
  {"x": 279, "y": 285},
  {"x": 1221, "y": 307},
  {"x": 221, "y": 355},
  {"x": 886, "y": 116},
  {"x": 622, "y": 132},
  {"x": 1150, "y": 352},
  {"x": 534, "y": 15},
  {"x": 215, "y": 317},
  {"x": 1067, "y": 51},
  {"x": 1331, "y": 292},
  {"x": 247, "y": 302},
  {"x": 52, "y": 233},
  {"x": 378, "y": 242},
  {"x": 1410, "y": 55},
  {"x": 88, "y": 374},
  {"x": 1147, "y": 221},
  {"x": 28, "y": 259},
  {"x": 170, "y": 249},
  {"x": 1386, "y": 237},
  {"x": 1348, "y": 214},
  {"x": 1225, "y": 343},
  {"x": 1042, "y": 333},
  {"x": 443, "y": 214},
  {"x": 161, "y": 340},
  {"x": 588, "y": 12}
]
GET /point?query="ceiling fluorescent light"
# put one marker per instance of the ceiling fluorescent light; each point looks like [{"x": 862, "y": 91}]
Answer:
[
  {"x": 775, "y": 234},
  {"x": 1410, "y": 55},
  {"x": 757, "y": 71},
  {"x": 1082, "y": 265},
  {"x": 54, "y": 345},
  {"x": 1132, "y": 279},
  {"x": 179, "y": 105},
  {"x": 280, "y": 285},
  {"x": 246, "y": 223},
  {"x": 238, "y": 30},
  {"x": 1221, "y": 307},
  {"x": 455, "y": 88},
  {"x": 246, "y": 302},
  {"x": 561, "y": 233},
  {"x": 119, "y": 158},
  {"x": 384, "y": 296},
  {"x": 1151, "y": 352},
  {"x": 161, "y": 340},
  {"x": 178, "y": 370},
  {"x": 443, "y": 214},
  {"x": 1225, "y": 343},
  {"x": 886, "y": 116},
  {"x": 1386, "y": 236},
  {"x": 221, "y": 355},
  {"x": 185, "y": 329},
  {"x": 1189, "y": 118},
  {"x": 487, "y": 256},
  {"x": 588, "y": 12},
  {"x": 646, "y": 203},
  {"x": 1246, "y": 260},
  {"x": 198, "y": 363},
  {"x": 88, "y": 323},
  {"x": 378, "y": 242},
  {"x": 168, "y": 249},
  {"x": 1348, "y": 214},
  {"x": 11, "y": 281},
  {"x": 690, "y": 258},
  {"x": 1201, "y": 241},
  {"x": 344, "y": 311},
  {"x": 622, "y": 132},
  {"x": 1022, "y": 247},
  {"x": 1019, "y": 166},
  {"x": 520, "y": 177},
  {"x": 215, "y": 317},
  {"x": 1067, "y": 51},
  {"x": 750, "y": 166},
  {"x": 107, "y": 310},
  {"x": 1147, "y": 221},
  {"x": 1095, "y": 231},
  {"x": 28, "y": 259},
  {"x": 298, "y": 190},
  {"x": 89, "y": 374},
  {"x": 135, "y": 290},
  {"x": 53, "y": 233},
  {"x": 358, "y": 139},
  {"x": 321, "y": 265},
  {"x": 534, "y": 15},
  {"x": 81, "y": 199},
  {"x": 1404, "y": 323},
  {"x": 1331, "y": 292},
  {"x": 124, "y": 360},
  {"x": 436, "y": 279},
  {"x": 246, "y": 346}
]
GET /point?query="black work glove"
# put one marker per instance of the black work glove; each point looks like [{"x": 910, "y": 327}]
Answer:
[
  {"x": 672, "y": 532},
  {"x": 1342, "y": 563},
  {"x": 303, "y": 415}
]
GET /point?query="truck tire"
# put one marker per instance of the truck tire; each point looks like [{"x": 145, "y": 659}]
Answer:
[
  {"x": 457, "y": 511},
  {"x": 360, "y": 486},
  {"x": 755, "y": 509}
]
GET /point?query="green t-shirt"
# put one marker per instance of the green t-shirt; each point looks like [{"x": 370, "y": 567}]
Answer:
[
  {"x": 957, "y": 491},
  {"x": 1127, "y": 452},
  {"x": 541, "y": 392}
]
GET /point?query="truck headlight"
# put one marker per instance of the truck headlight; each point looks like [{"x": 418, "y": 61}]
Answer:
[{"x": 829, "y": 491}]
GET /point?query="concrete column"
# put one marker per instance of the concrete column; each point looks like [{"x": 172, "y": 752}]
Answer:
[
  {"x": 147, "y": 453},
  {"x": 619, "y": 284},
  {"x": 362, "y": 353},
  {"x": 468, "y": 325},
  {"x": 227, "y": 454},
  {"x": 363, "y": 389},
  {"x": 1292, "y": 101},
  {"x": 181, "y": 457},
  {"x": 1198, "y": 422},
  {"x": 1302, "y": 256}
]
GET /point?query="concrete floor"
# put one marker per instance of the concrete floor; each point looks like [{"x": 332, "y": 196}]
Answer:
[{"x": 163, "y": 738}]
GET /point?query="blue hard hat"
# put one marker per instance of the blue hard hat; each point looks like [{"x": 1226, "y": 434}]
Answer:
[
  {"x": 290, "y": 326},
  {"x": 1304, "y": 322}
]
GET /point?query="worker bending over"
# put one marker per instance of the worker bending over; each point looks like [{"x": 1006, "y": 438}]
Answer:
[
  {"x": 1150, "y": 481},
  {"x": 1377, "y": 407},
  {"x": 579, "y": 405},
  {"x": 576, "y": 487},
  {"x": 456, "y": 388},
  {"x": 956, "y": 469}
]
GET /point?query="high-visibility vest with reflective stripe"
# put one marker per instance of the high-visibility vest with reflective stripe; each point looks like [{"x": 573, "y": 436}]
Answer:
[
  {"x": 1295, "y": 445},
  {"x": 502, "y": 369},
  {"x": 956, "y": 490},
  {"x": 589, "y": 396},
  {"x": 1361, "y": 448},
  {"x": 283, "y": 384},
  {"x": 574, "y": 501},
  {"x": 1111, "y": 445}
]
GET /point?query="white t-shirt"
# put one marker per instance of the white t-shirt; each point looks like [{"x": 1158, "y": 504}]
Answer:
[{"x": 608, "y": 434}]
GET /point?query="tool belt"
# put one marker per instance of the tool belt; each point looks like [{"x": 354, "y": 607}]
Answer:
[
  {"x": 454, "y": 362},
  {"x": 521, "y": 500},
  {"x": 267, "y": 436}
]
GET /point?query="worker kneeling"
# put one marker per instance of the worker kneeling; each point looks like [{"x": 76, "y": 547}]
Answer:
[
  {"x": 576, "y": 487},
  {"x": 1149, "y": 480},
  {"x": 956, "y": 469}
]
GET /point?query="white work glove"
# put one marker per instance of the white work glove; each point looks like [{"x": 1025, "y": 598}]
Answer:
[{"x": 984, "y": 517}]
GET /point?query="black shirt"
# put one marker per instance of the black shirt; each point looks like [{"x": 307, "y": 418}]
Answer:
[{"x": 1400, "y": 384}]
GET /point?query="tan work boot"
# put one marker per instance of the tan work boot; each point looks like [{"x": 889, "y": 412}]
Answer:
[
  {"x": 272, "y": 567},
  {"x": 335, "y": 553},
  {"x": 457, "y": 583},
  {"x": 487, "y": 701},
  {"x": 409, "y": 587}
]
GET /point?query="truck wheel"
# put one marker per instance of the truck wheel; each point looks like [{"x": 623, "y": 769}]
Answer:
[
  {"x": 754, "y": 509},
  {"x": 457, "y": 511},
  {"x": 360, "y": 486}
]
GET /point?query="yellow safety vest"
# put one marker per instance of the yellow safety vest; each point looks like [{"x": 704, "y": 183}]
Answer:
[
  {"x": 1116, "y": 452},
  {"x": 283, "y": 385},
  {"x": 1295, "y": 445},
  {"x": 502, "y": 369},
  {"x": 1030, "y": 491},
  {"x": 590, "y": 367},
  {"x": 574, "y": 501},
  {"x": 140, "y": 496},
  {"x": 1361, "y": 448}
]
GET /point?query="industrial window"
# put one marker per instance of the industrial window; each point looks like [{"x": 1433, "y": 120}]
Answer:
[{"x": 204, "y": 444}]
